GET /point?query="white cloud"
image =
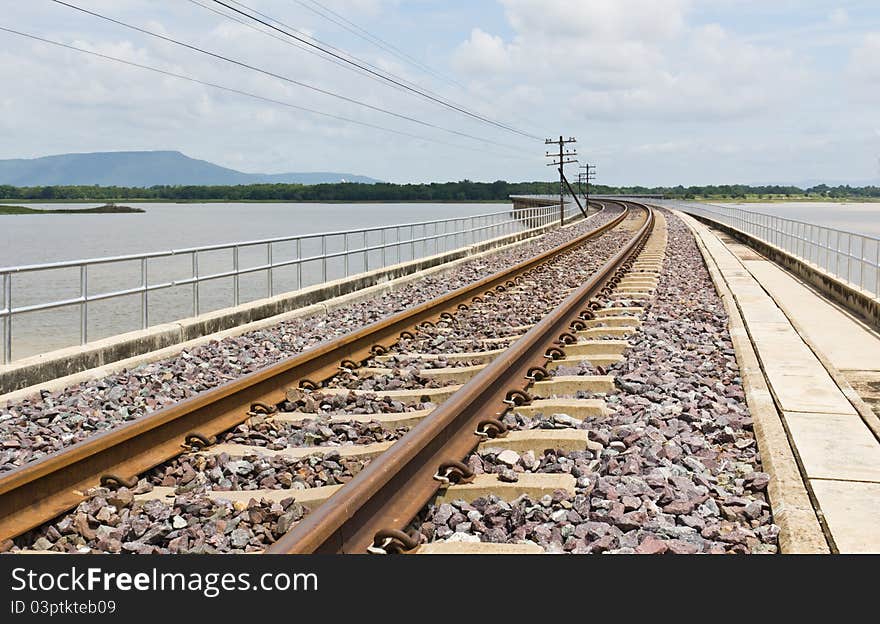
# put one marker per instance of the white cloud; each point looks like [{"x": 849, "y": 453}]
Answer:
[
  {"x": 864, "y": 62},
  {"x": 66, "y": 101},
  {"x": 484, "y": 53},
  {"x": 632, "y": 59},
  {"x": 839, "y": 17},
  {"x": 714, "y": 90},
  {"x": 605, "y": 20}
]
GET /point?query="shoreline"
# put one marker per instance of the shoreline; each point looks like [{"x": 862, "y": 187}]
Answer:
[
  {"x": 261, "y": 201},
  {"x": 790, "y": 200},
  {"x": 6, "y": 209},
  {"x": 704, "y": 200}
]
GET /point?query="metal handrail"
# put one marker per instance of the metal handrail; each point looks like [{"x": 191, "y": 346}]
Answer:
[
  {"x": 251, "y": 243},
  {"x": 445, "y": 233},
  {"x": 847, "y": 256}
]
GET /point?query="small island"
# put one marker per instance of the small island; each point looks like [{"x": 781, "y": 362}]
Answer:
[{"x": 105, "y": 209}]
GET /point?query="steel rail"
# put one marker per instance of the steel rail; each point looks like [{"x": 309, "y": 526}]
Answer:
[
  {"x": 41, "y": 490},
  {"x": 395, "y": 486}
]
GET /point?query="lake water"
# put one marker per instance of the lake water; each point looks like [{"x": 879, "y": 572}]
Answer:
[
  {"x": 34, "y": 239},
  {"x": 861, "y": 218}
]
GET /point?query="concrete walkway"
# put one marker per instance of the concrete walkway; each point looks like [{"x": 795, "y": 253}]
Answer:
[{"x": 808, "y": 347}]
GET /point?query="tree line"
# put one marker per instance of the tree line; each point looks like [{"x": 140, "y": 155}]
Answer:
[{"x": 464, "y": 190}]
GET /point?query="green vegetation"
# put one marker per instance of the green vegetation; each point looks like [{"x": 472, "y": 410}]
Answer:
[
  {"x": 12, "y": 210},
  {"x": 464, "y": 191},
  {"x": 745, "y": 193},
  {"x": 107, "y": 209}
]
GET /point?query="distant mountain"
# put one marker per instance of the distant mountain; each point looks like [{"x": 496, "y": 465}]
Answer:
[{"x": 144, "y": 169}]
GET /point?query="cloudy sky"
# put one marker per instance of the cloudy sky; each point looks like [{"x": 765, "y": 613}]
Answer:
[{"x": 656, "y": 91}]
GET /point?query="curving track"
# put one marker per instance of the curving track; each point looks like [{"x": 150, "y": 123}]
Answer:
[{"x": 368, "y": 401}]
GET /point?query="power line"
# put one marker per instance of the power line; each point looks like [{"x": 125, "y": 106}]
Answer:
[
  {"x": 280, "y": 77},
  {"x": 220, "y": 87},
  {"x": 328, "y": 45},
  {"x": 390, "y": 48},
  {"x": 340, "y": 20},
  {"x": 380, "y": 75},
  {"x": 269, "y": 34},
  {"x": 334, "y": 17}
]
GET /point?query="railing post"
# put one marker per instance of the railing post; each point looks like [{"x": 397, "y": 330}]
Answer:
[
  {"x": 235, "y": 277},
  {"x": 808, "y": 242},
  {"x": 195, "y": 275},
  {"x": 802, "y": 228},
  {"x": 323, "y": 259},
  {"x": 849, "y": 259},
  {"x": 384, "y": 247},
  {"x": 345, "y": 250},
  {"x": 7, "y": 320},
  {"x": 271, "y": 262},
  {"x": 366, "y": 254},
  {"x": 145, "y": 302},
  {"x": 84, "y": 306},
  {"x": 877, "y": 268},
  {"x": 299, "y": 264},
  {"x": 863, "y": 261},
  {"x": 837, "y": 253}
]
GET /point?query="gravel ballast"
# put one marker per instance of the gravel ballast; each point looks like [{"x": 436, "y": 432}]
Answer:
[
  {"x": 191, "y": 476},
  {"x": 37, "y": 426},
  {"x": 679, "y": 471}
]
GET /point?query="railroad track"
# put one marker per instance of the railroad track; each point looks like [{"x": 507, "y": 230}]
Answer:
[{"x": 383, "y": 384}]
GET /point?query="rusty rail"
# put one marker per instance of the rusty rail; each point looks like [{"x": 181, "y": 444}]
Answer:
[
  {"x": 388, "y": 493},
  {"x": 41, "y": 490}
]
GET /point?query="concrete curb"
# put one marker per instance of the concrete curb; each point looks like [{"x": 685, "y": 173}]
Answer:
[
  {"x": 170, "y": 340},
  {"x": 800, "y": 531}
]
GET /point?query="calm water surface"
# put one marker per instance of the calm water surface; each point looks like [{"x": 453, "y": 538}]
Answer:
[
  {"x": 31, "y": 239},
  {"x": 34, "y": 239}
]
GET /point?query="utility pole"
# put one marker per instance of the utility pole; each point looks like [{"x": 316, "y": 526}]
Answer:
[
  {"x": 564, "y": 158},
  {"x": 582, "y": 177},
  {"x": 589, "y": 176}
]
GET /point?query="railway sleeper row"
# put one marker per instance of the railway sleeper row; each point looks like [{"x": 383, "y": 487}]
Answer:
[
  {"x": 597, "y": 343},
  {"x": 600, "y": 351},
  {"x": 554, "y": 396}
]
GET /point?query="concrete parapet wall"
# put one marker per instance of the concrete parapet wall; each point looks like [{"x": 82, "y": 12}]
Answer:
[
  {"x": 853, "y": 299},
  {"x": 164, "y": 338}
]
